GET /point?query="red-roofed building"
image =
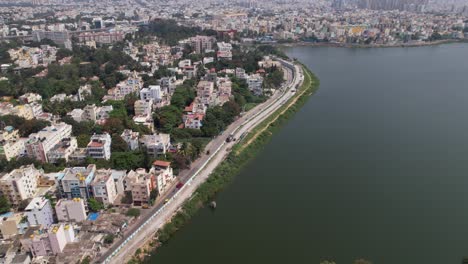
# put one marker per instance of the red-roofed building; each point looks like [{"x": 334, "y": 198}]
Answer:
[
  {"x": 99, "y": 147},
  {"x": 163, "y": 173},
  {"x": 193, "y": 121},
  {"x": 161, "y": 163}
]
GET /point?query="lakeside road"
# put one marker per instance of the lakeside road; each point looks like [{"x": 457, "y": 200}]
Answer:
[
  {"x": 370, "y": 46},
  {"x": 139, "y": 233}
]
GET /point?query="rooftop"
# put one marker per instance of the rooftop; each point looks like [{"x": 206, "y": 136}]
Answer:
[
  {"x": 36, "y": 203},
  {"x": 161, "y": 163}
]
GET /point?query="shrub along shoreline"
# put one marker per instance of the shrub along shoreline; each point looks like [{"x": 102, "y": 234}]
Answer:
[{"x": 236, "y": 160}]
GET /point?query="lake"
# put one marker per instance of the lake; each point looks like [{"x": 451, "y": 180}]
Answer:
[{"x": 374, "y": 166}]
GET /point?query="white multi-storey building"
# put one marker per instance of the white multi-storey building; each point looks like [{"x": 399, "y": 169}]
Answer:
[
  {"x": 39, "y": 144},
  {"x": 224, "y": 50},
  {"x": 143, "y": 107},
  {"x": 131, "y": 138},
  {"x": 156, "y": 144},
  {"x": 39, "y": 212},
  {"x": 255, "y": 84},
  {"x": 153, "y": 92},
  {"x": 103, "y": 187},
  {"x": 99, "y": 146},
  {"x": 20, "y": 184},
  {"x": 11, "y": 145},
  {"x": 163, "y": 173}
]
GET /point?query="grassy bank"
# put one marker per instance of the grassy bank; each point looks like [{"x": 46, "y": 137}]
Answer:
[{"x": 242, "y": 153}]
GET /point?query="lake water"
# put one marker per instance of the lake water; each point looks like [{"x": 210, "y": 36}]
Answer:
[{"x": 374, "y": 166}]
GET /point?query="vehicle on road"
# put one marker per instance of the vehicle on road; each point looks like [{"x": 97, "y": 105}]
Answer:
[
  {"x": 230, "y": 138},
  {"x": 179, "y": 185},
  {"x": 208, "y": 152},
  {"x": 165, "y": 201}
]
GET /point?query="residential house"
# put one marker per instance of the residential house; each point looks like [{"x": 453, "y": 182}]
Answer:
[{"x": 146, "y": 121}]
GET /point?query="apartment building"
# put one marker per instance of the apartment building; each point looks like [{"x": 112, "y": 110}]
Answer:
[
  {"x": 62, "y": 150},
  {"x": 224, "y": 50},
  {"x": 99, "y": 146},
  {"x": 103, "y": 187},
  {"x": 153, "y": 92},
  {"x": 202, "y": 43},
  {"x": 11, "y": 145},
  {"x": 143, "y": 107},
  {"x": 132, "y": 85},
  {"x": 75, "y": 182},
  {"x": 93, "y": 113},
  {"x": 140, "y": 183},
  {"x": 47, "y": 242},
  {"x": 205, "y": 92},
  {"x": 70, "y": 210},
  {"x": 39, "y": 212},
  {"x": 131, "y": 138},
  {"x": 156, "y": 144},
  {"x": 163, "y": 174},
  {"x": 255, "y": 84},
  {"x": 20, "y": 184},
  {"x": 39, "y": 144}
]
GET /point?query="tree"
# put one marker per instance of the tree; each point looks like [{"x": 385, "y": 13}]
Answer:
[
  {"x": 94, "y": 205},
  {"x": 114, "y": 125},
  {"x": 153, "y": 195},
  {"x": 109, "y": 239},
  {"x": 118, "y": 144},
  {"x": 4, "y": 204},
  {"x": 127, "y": 199},
  {"x": 83, "y": 140},
  {"x": 86, "y": 260},
  {"x": 133, "y": 212},
  {"x": 361, "y": 261},
  {"x": 167, "y": 118},
  {"x": 183, "y": 95}
]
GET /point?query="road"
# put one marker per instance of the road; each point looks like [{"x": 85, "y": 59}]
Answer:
[{"x": 200, "y": 170}]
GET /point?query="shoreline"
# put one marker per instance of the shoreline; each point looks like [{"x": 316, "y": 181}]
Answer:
[
  {"x": 241, "y": 154},
  {"x": 369, "y": 46}
]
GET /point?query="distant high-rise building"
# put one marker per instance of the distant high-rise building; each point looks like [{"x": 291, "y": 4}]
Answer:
[
  {"x": 338, "y": 4},
  {"x": 403, "y": 5}
]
